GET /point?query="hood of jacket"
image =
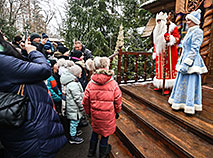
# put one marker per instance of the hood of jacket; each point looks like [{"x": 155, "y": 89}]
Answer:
[
  {"x": 102, "y": 76},
  {"x": 67, "y": 77}
]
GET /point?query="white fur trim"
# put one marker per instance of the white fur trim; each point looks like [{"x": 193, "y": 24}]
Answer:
[
  {"x": 154, "y": 56},
  {"x": 170, "y": 101},
  {"x": 171, "y": 27},
  {"x": 178, "y": 106},
  {"x": 187, "y": 109},
  {"x": 194, "y": 69},
  {"x": 192, "y": 18},
  {"x": 188, "y": 61},
  {"x": 159, "y": 83},
  {"x": 198, "y": 107},
  {"x": 172, "y": 40}
]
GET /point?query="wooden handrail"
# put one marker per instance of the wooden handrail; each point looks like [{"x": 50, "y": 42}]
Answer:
[{"x": 126, "y": 54}]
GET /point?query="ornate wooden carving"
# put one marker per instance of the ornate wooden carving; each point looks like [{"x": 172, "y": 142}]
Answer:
[
  {"x": 205, "y": 47},
  {"x": 193, "y": 5}
]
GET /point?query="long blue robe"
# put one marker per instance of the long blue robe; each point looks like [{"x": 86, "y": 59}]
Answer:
[{"x": 187, "y": 91}]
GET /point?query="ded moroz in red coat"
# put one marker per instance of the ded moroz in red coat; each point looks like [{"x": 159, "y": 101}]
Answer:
[
  {"x": 172, "y": 58},
  {"x": 102, "y": 98}
]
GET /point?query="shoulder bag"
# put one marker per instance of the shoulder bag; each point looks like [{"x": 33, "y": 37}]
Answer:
[{"x": 13, "y": 108}]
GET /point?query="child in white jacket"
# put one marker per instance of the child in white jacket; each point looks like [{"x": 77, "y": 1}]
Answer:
[{"x": 74, "y": 95}]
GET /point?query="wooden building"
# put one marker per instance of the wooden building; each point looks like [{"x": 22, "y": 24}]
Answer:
[{"x": 181, "y": 8}]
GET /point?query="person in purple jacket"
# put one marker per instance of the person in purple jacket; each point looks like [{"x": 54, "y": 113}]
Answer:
[{"x": 42, "y": 134}]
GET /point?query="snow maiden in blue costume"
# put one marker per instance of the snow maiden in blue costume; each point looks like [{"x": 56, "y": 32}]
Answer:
[{"x": 187, "y": 91}]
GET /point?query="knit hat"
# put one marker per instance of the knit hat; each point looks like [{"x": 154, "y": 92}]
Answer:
[
  {"x": 57, "y": 54},
  {"x": 17, "y": 38},
  {"x": 101, "y": 62},
  {"x": 75, "y": 70},
  {"x": 62, "y": 49},
  {"x": 161, "y": 16},
  {"x": 44, "y": 35},
  {"x": 77, "y": 53},
  {"x": 52, "y": 62},
  {"x": 33, "y": 36},
  {"x": 194, "y": 16}
]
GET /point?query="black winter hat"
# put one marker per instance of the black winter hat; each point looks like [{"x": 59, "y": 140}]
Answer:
[
  {"x": 62, "y": 49},
  {"x": 44, "y": 35},
  {"x": 52, "y": 62},
  {"x": 33, "y": 36},
  {"x": 17, "y": 38},
  {"x": 77, "y": 53}
]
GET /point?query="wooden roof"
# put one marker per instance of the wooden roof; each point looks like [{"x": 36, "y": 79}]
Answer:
[{"x": 155, "y": 6}]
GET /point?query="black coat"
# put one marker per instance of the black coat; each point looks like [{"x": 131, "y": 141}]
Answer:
[{"x": 42, "y": 135}]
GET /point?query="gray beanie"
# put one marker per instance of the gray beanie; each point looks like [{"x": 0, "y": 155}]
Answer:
[{"x": 75, "y": 70}]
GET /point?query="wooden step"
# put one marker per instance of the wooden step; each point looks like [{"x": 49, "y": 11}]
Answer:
[
  {"x": 139, "y": 141},
  {"x": 118, "y": 148},
  {"x": 181, "y": 141},
  {"x": 160, "y": 104}
]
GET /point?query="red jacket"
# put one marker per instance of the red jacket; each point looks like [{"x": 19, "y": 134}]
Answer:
[{"x": 104, "y": 97}]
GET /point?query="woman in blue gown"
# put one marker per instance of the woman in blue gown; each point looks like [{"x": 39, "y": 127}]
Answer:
[{"x": 187, "y": 91}]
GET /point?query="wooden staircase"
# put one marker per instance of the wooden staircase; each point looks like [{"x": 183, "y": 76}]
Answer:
[{"x": 148, "y": 127}]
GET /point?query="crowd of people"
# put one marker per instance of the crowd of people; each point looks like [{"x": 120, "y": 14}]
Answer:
[{"x": 57, "y": 85}]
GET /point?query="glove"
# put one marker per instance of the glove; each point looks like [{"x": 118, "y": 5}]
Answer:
[
  {"x": 166, "y": 37},
  {"x": 184, "y": 68},
  {"x": 116, "y": 115}
]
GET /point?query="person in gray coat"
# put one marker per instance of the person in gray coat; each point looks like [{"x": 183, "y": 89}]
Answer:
[{"x": 74, "y": 96}]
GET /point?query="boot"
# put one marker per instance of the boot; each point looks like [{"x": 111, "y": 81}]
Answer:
[
  {"x": 104, "y": 151},
  {"x": 92, "y": 148},
  {"x": 76, "y": 140}
]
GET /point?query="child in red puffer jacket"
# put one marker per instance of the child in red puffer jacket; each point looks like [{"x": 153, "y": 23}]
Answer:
[{"x": 102, "y": 102}]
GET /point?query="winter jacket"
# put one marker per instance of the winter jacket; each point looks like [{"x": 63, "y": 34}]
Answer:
[
  {"x": 191, "y": 52},
  {"x": 87, "y": 53},
  {"x": 74, "y": 95},
  {"x": 102, "y": 99},
  {"x": 53, "y": 88},
  {"x": 83, "y": 80},
  {"x": 42, "y": 135}
]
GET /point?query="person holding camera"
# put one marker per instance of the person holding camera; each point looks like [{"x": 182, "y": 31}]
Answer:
[{"x": 42, "y": 134}]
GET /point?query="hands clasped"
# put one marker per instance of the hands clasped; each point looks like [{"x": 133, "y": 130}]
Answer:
[{"x": 184, "y": 69}]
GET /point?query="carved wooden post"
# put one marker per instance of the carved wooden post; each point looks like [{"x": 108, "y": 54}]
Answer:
[
  {"x": 145, "y": 68},
  {"x": 125, "y": 67},
  {"x": 136, "y": 68},
  {"x": 119, "y": 66},
  {"x": 205, "y": 48}
]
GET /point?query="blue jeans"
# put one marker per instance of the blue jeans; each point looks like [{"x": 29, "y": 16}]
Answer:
[
  {"x": 73, "y": 127},
  {"x": 104, "y": 140}
]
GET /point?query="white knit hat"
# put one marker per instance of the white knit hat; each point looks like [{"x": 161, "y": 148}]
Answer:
[
  {"x": 75, "y": 70},
  {"x": 101, "y": 62},
  {"x": 194, "y": 16}
]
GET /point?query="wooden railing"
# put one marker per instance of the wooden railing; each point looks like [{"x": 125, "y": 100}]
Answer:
[{"x": 136, "y": 54}]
